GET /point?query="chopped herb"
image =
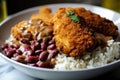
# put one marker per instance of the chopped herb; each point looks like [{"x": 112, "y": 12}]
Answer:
[
  {"x": 72, "y": 16},
  {"x": 70, "y": 13},
  {"x": 75, "y": 18}
]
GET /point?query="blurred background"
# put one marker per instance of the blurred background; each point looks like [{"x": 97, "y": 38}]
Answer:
[
  {"x": 9, "y": 7},
  {"x": 18, "y": 5}
]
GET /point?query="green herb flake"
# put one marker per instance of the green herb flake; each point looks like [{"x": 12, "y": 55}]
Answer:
[
  {"x": 72, "y": 16},
  {"x": 70, "y": 13},
  {"x": 75, "y": 18}
]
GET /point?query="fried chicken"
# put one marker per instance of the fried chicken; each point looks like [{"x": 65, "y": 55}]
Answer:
[
  {"x": 76, "y": 37},
  {"x": 33, "y": 29},
  {"x": 97, "y": 23},
  {"x": 29, "y": 29}
]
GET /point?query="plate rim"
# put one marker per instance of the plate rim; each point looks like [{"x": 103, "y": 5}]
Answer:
[{"x": 45, "y": 69}]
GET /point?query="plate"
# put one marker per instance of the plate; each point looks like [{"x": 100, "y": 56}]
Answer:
[{"x": 44, "y": 73}]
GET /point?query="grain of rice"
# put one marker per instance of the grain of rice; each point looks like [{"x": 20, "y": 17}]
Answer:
[{"x": 98, "y": 57}]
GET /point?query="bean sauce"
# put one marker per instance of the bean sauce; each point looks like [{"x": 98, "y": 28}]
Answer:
[{"x": 38, "y": 51}]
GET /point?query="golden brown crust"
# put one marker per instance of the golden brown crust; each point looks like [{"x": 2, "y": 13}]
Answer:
[
  {"x": 16, "y": 30},
  {"x": 99, "y": 24},
  {"x": 71, "y": 38},
  {"x": 34, "y": 29},
  {"x": 75, "y": 38},
  {"x": 26, "y": 29}
]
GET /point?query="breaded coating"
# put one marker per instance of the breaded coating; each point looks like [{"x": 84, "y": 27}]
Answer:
[
  {"x": 97, "y": 23},
  {"x": 16, "y": 30},
  {"x": 33, "y": 29},
  {"x": 44, "y": 14},
  {"x": 74, "y": 38}
]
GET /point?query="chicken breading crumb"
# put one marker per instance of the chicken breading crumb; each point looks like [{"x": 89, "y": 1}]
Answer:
[{"x": 81, "y": 30}]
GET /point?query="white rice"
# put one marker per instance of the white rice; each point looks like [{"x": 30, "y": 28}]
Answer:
[{"x": 98, "y": 57}]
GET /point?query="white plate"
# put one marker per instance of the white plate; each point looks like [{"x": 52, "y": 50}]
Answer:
[{"x": 43, "y": 73}]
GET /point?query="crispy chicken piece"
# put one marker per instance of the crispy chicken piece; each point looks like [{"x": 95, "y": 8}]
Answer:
[
  {"x": 44, "y": 14},
  {"x": 33, "y": 29},
  {"x": 75, "y": 38},
  {"x": 16, "y": 30},
  {"x": 97, "y": 23},
  {"x": 26, "y": 29}
]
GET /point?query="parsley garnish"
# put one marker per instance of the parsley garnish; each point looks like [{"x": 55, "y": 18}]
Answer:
[
  {"x": 72, "y": 16},
  {"x": 70, "y": 13},
  {"x": 75, "y": 18}
]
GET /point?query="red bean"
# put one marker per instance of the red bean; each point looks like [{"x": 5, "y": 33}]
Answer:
[
  {"x": 13, "y": 46},
  {"x": 30, "y": 52},
  {"x": 4, "y": 46},
  {"x": 35, "y": 45},
  {"x": 51, "y": 41},
  {"x": 27, "y": 47},
  {"x": 32, "y": 59},
  {"x": 19, "y": 52},
  {"x": 6, "y": 49},
  {"x": 52, "y": 53},
  {"x": 43, "y": 64},
  {"x": 43, "y": 55},
  {"x": 25, "y": 41},
  {"x": 16, "y": 46},
  {"x": 51, "y": 47},
  {"x": 43, "y": 46},
  {"x": 10, "y": 52},
  {"x": 37, "y": 52},
  {"x": 14, "y": 55},
  {"x": 32, "y": 42}
]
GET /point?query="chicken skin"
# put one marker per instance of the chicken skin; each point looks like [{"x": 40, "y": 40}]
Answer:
[{"x": 80, "y": 30}]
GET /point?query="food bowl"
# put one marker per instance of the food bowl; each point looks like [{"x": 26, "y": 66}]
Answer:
[{"x": 44, "y": 73}]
